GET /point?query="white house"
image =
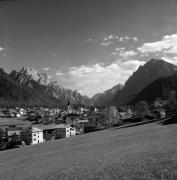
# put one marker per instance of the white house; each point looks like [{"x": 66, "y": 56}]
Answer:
[
  {"x": 37, "y": 135},
  {"x": 62, "y": 131},
  {"x": 162, "y": 113},
  {"x": 70, "y": 131},
  {"x": 22, "y": 111}
]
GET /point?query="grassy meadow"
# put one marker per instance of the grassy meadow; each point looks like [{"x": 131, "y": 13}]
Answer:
[
  {"x": 9, "y": 121},
  {"x": 143, "y": 152}
]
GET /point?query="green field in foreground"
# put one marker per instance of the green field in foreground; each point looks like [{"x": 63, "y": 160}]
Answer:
[{"x": 143, "y": 152}]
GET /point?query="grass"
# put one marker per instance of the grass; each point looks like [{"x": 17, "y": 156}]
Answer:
[
  {"x": 9, "y": 121},
  {"x": 143, "y": 152}
]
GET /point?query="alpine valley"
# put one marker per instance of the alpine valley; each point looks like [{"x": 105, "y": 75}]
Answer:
[{"x": 28, "y": 86}]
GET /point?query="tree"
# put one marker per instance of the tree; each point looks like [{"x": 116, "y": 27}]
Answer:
[
  {"x": 1, "y": 136},
  {"x": 142, "y": 109},
  {"x": 158, "y": 103},
  {"x": 172, "y": 97},
  {"x": 171, "y": 101},
  {"x": 112, "y": 117}
]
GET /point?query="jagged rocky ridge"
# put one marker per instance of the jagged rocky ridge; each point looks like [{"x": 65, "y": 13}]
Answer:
[{"x": 42, "y": 86}]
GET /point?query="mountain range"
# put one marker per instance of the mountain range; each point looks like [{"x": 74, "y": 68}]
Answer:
[{"x": 28, "y": 86}]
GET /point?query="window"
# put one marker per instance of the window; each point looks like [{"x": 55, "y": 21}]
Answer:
[
  {"x": 34, "y": 139},
  {"x": 34, "y": 135}
]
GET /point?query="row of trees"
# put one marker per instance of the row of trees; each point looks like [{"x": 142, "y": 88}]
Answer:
[
  {"x": 169, "y": 105},
  {"x": 144, "y": 110}
]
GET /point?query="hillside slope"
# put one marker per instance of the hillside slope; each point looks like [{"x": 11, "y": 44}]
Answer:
[
  {"x": 143, "y": 152},
  {"x": 12, "y": 92},
  {"x": 42, "y": 83},
  {"x": 106, "y": 97},
  {"x": 158, "y": 88},
  {"x": 145, "y": 74}
]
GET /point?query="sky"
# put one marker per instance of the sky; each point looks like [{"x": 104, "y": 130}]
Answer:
[{"x": 88, "y": 45}]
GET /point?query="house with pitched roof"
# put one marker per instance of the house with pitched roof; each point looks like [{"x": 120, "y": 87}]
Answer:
[{"x": 37, "y": 135}]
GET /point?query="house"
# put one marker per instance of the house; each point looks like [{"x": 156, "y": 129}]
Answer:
[
  {"x": 18, "y": 115},
  {"x": 26, "y": 135},
  {"x": 48, "y": 131},
  {"x": 32, "y": 115},
  {"x": 81, "y": 124},
  {"x": 22, "y": 111},
  {"x": 32, "y": 135},
  {"x": 37, "y": 135},
  {"x": 13, "y": 133},
  {"x": 162, "y": 113},
  {"x": 71, "y": 118},
  {"x": 62, "y": 131},
  {"x": 6, "y": 113},
  {"x": 13, "y": 130}
]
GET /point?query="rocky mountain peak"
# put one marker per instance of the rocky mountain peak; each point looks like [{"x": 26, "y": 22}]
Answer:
[
  {"x": 149, "y": 72},
  {"x": 29, "y": 73}
]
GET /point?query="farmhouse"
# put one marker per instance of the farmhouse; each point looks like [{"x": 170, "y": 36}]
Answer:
[
  {"x": 13, "y": 133},
  {"x": 62, "y": 131},
  {"x": 22, "y": 111},
  {"x": 26, "y": 135},
  {"x": 37, "y": 135},
  {"x": 13, "y": 130}
]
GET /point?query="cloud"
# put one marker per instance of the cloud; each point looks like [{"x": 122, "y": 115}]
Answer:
[
  {"x": 106, "y": 43},
  {"x": 172, "y": 60},
  {"x": 59, "y": 73},
  {"x": 127, "y": 54},
  {"x": 46, "y": 69},
  {"x": 89, "y": 40},
  {"x": 124, "y": 54},
  {"x": 111, "y": 37},
  {"x": 135, "y": 39},
  {"x": 120, "y": 49},
  {"x": 109, "y": 40},
  {"x": 114, "y": 53},
  {"x": 167, "y": 45},
  {"x": 1, "y": 48},
  {"x": 99, "y": 77},
  {"x": 121, "y": 39},
  {"x": 127, "y": 37}
]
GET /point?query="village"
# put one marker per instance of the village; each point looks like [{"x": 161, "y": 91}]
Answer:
[{"x": 29, "y": 126}]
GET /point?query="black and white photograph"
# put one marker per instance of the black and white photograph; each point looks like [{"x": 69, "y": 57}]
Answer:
[{"x": 88, "y": 89}]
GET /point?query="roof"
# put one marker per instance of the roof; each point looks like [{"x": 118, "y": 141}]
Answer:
[
  {"x": 83, "y": 121},
  {"x": 61, "y": 126},
  {"x": 35, "y": 129},
  {"x": 14, "y": 129},
  {"x": 51, "y": 126}
]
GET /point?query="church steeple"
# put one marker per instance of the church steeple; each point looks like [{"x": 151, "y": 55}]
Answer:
[{"x": 69, "y": 109}]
